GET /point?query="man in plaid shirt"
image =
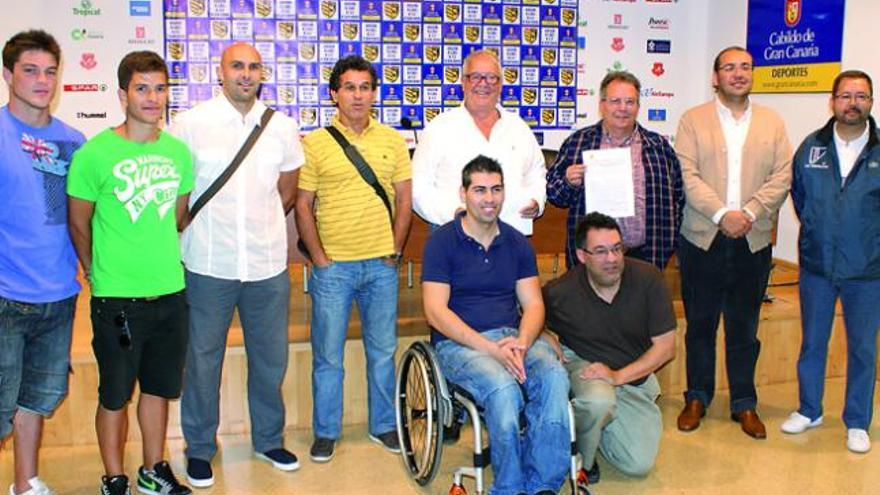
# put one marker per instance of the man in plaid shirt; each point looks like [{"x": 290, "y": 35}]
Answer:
[{"x": 650, "y": 234}]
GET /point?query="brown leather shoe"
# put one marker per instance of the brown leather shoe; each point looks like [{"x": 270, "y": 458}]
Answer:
[
  {"x": 750, "y": 423},
  {"x": 690, "y": 416}
]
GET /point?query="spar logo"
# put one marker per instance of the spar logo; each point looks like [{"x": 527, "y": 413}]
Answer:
[
  {"x": 85, "y": 8},
  {"x": 793, "y": 9},
  {"x": 85, "y": 88}
]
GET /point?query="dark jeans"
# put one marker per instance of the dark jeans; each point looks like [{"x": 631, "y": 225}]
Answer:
[
  {"x": 727, "y": 279},
  {"x": 861, "y": 317}
]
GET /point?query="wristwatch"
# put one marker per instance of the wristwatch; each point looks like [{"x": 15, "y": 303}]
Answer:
[{"x": 396, "y": 257}]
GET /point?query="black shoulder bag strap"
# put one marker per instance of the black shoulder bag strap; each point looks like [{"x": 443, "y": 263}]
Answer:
[
  {"x": 362, "y": 167},
  {"x": 224, "y": 177}
]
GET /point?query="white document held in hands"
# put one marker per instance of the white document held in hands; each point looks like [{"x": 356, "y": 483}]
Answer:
[
  {"x": 511, "y": 216},
  {"x": 608, "y": 182}
]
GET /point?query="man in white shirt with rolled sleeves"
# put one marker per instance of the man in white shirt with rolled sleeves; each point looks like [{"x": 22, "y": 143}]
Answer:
[
  {"x": 235, "y": 252},
  {"x": 479, "y": 127}
]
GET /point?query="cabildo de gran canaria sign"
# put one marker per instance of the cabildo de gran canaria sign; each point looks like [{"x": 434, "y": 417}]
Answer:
[{"x": 796, "y": 44}]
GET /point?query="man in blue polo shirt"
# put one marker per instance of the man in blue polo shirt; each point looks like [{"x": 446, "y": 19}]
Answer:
[{"x": 477, "y": 271}]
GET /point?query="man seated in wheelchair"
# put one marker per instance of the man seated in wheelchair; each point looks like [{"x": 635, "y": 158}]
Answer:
[
  {"x": 477, "y": 272},
  {"x": 616, "y": 324}
]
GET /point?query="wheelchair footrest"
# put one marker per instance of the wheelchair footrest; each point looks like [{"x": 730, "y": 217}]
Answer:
[{"x": 457, "y": 489}]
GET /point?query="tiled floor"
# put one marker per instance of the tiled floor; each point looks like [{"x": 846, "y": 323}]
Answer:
[{"x": 715, "y": 459}]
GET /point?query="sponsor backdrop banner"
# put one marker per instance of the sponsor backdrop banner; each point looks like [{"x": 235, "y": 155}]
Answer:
[
  {"x": 796, "y": 44},
  {"x": 646, "y": 38},
  {"x": 417, "y": 48},
  {"x": 94, "y": 36}
]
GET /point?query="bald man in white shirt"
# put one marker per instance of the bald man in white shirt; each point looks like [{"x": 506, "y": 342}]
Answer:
[{"x": 235, "y": 252}]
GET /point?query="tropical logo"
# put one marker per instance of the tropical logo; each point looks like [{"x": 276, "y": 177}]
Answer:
[{"x": 86, "y": 9}]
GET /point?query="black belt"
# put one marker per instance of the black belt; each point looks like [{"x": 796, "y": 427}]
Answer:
[{"x": 149, "y": 299}]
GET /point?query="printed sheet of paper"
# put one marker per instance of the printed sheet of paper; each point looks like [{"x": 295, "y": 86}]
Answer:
[
  {"x": 510, "y": 213},
  {"x": 608, "y": 182}
]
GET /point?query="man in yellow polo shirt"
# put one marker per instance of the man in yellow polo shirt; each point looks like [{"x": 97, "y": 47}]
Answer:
[{"x": 354, "y": 239}]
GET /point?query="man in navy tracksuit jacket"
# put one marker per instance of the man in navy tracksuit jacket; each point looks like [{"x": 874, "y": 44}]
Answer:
[{"x": 836, "y": 193}]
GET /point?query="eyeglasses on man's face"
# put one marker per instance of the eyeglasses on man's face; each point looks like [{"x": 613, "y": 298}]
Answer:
[
  {"x": 479, "y": 77},
  {"x": 857, "y": 97},
  {"x": 603, "y": 251}
]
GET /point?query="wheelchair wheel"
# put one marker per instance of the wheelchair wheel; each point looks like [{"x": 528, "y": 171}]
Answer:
[{"x": 421, "y": 410}]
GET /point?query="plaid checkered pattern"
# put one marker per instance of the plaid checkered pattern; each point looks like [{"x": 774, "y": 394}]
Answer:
[{"x": 663, "y": 191}]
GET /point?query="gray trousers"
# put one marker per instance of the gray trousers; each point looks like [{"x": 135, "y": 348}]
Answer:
[
  {"x": 623, "y": 422},
  {"x": 263, "y": 311}
]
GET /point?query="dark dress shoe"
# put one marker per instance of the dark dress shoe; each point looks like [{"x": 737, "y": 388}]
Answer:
[
  {"x": 750, "y": 423},
  {"x": 690, "y": 416}
]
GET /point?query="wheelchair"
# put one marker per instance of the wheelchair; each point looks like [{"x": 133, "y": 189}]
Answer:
[{"x": 428, "y": 408}]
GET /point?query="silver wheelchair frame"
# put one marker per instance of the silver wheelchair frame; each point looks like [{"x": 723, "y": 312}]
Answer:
[{"x": 426, "y": 405}]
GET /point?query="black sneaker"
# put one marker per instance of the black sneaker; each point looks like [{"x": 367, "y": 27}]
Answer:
[
  {"x": 593, "y": 474},
  {"x": 388, "y": 440},
  {"x": 199, "y": 473},
  {"x": 282, "y": 459},
  {"x": 117, "y": 485},
  {"x": 160, "y": 481},
  {"x": 322, "y": 449}
]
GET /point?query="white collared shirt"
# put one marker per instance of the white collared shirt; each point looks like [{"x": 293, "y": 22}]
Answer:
[
  {"x": 241, "y": 234},
  {"x": 453, "y": 139},
  {"x": 848, "y": 152},
  {"x": 735, "y": 132}
]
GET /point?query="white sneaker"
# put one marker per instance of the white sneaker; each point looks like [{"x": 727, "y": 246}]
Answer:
[
  {"x": 857, "y": 440},
  {"x": 37, "y": 488},
  {"x": 798, "y": 423}
]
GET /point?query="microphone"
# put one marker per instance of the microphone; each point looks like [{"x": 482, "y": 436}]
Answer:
[{"x": 407, "y": 124}]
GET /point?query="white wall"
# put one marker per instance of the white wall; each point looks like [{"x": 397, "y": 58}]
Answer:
[
  {"x": 803, "y": 113},
  {"x": 113, "y": 28}
]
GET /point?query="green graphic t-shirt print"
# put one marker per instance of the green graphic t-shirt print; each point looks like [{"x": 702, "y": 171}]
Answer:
[
  {"x": 134, "y": 186},
  {"x": 147, "y": 180}
]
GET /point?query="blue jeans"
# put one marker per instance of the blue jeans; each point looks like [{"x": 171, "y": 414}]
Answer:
[
  {"x": 34, "y": 357},
  {"x": 262, "y": 309},
  {"x": 539, "y": 459},
  {"x": 728, "y": 280},
  {"x": 372, "y": 284},
  {"x": 861, "y": 317}
]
